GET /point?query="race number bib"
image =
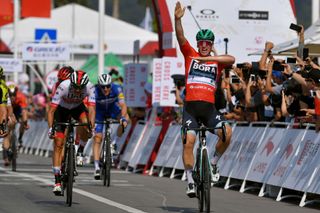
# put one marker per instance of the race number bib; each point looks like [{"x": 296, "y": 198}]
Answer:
[{"x": 202, "y": 73}]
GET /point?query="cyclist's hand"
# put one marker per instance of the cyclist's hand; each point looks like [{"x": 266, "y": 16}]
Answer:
[
  {"x": 51, "y": 133},
  {"x": 123, "y": 122}
]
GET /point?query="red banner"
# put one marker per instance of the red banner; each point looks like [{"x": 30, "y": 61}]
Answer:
[
  {"x": 6, "y": 12},
  {"x": 35, "y": 8}
]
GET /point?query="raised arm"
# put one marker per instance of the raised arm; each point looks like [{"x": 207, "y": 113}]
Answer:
[{"x": 178, "y": 14}]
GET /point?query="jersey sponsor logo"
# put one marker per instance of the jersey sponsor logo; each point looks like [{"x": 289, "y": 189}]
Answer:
[{"x": 202, "y": 73}]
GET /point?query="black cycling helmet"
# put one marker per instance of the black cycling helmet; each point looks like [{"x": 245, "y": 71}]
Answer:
[{"x": 205, "y": 34}]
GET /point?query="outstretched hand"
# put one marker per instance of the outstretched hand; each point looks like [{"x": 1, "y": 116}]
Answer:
[{"x": 179, "y": 10}]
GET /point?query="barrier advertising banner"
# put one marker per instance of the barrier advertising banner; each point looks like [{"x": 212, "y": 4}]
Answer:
[
  {"x": 285, "y": 153},
  {"x": 134, "y": 81},
  {"x": 11, "y": 65},
  {"x": 46, "y": 52},
  {"x": 247, "y": 24},
  {"x": 231, "y": 154},
  {"x": 156, "y": 81},
  {"x": 265, "y": 154},
  {"x": 167, "y": 145},
  {"x": 248, "y": 150},
  {"x": 305, "y": 162},
  {"x": 170, "y": 66}
]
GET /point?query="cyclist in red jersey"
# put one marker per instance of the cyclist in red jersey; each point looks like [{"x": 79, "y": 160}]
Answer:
[{"x": 201, "y": 82}]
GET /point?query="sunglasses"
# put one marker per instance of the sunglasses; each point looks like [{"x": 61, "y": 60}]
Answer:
[
  {"x": 204, "y": 43},
  {"x": 105, "y": 86}
]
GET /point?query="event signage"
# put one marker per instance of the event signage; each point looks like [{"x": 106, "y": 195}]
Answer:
[
  {"x": 51, "y": 79},
  {"x": 11, "y": 65},
  {"x": 170, "y": 66},
  {"x": 247, "y": 24},
  {"x": 156, "y": 81},
  {"x": 134, "y": 82},
  {"x": 46, "y": 52}
]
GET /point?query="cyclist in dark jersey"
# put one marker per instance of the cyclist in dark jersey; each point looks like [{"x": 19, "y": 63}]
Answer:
[
  {"x": 201, "y": 83},
  {"x": 3, "y": 105}
]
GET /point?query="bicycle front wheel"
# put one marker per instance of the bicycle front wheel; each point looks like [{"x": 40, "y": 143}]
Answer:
[
  {"x": 70, "y": 174},
  {"x": 108, "y": 161},
  {"x": 206, "y": 180},
  {"x": 14, "y": 151}
]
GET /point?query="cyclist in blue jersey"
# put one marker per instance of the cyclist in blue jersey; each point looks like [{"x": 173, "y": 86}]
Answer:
[{"x": 110, "y": 103}]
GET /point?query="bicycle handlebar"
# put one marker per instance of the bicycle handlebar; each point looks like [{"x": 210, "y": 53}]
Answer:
[
  {"x": 71, "y": 124},
  {"x": 108, "y": 121}
]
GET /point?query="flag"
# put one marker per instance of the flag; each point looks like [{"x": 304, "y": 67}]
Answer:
[
  {"x": 6, "y": 12},
  {"x": 147, "y": 21},
  {"x": 35, "y": 8}
]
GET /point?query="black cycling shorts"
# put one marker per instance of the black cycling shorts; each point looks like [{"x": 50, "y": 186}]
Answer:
[
  {"x": 196, "y": 112},
  {"x": 63, "y": 115}
]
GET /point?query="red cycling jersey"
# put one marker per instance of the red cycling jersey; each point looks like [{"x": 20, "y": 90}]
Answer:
[
  {"x": 317, "y": 105},
  {"x": 19, "y": 101},
  {"x": 201, "y": 78}
]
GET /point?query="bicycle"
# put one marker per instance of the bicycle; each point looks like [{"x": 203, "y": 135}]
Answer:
[
  {"x": 202, "y": 168},
  {"x": 68, "y": 165},
  {"x": 106, "y": 155}
]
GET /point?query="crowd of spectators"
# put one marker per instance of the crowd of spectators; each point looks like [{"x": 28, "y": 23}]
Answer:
[{"x": 271, "y": 89}]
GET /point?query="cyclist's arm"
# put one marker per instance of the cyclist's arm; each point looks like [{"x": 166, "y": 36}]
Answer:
[
  {"x": 222, "y": 59},
  {"x": 92, "y": 115},
  {"x": 179, "y": 12},
  {"x": 51, "y": 111},
  {"x": 123, "y": 107}
]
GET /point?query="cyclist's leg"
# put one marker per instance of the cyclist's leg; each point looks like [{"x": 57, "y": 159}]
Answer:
[
  {"x": 60, "y": 115},
  {"x": 96, "y": 148},
  {"x": 188, "y": 139},
  {"x": 80, "y": 113},
  {"x": 6, "y": 140},
  {"x": 217, "y": 120}
]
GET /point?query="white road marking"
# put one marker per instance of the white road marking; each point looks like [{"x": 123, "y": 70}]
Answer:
[{"x": 79, "y": 191}]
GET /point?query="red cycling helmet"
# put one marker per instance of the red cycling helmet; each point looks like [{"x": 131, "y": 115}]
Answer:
[{"x": 64, "y": 73}]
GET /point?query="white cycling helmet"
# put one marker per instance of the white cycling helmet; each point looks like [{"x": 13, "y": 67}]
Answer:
[
  {"x": 79, "y": 79},
  {"x": 104, "y": 79}
]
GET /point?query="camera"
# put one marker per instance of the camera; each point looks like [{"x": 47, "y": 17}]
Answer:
[
  {"x": 277, "y": 66},
  {"x": 178, "y": 80},
  {"x": 234, "y": 80},
  {"x": 252, "y": 77},
  {"x": 313, "y": 93}
]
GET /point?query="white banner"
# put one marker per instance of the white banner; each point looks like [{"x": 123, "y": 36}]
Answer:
[
  {"x": 51, "y": 79},
  {"x": 11, "y": 65},
  {"x": 286, "y": 149},
  {"x": 250, "y": 145},
  {"x": 46, "y": 52},
  {"x": 170, "y": 66},
  {"x": 156, "y": 81},
  {"x": 247, "y": 24},
  {"x": 305, "y": 162},
  {"x": 265, "y": 154},
  {"x": 134, "y": 81}
]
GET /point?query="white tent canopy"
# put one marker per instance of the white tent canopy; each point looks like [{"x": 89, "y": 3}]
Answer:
[
  {"x": 79, "y": 25},
  {"x": 311, "y": 41}
]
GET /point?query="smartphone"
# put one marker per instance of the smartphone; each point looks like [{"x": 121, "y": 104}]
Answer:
[
  {"x": 240, "y": 65},
  {"x": 277, "y": 66},
  {"x": 312, "y": 93},
  {"x": 234, "y": 80},
  {"x": 295, "y": 27},
  {"x": 301, "y": 113},
  {"x": 253, "y": 77},
  {"x": 291, "y": 60},
  {"x": 255, "y": 66},
  {"x": 305, "y": 53}
]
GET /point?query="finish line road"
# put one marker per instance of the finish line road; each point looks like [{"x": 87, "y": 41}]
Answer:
[{"x": 30, "y": 190}]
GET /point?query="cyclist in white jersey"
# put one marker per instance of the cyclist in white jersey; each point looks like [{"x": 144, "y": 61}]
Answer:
[{"x": 68, "y": 102}]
